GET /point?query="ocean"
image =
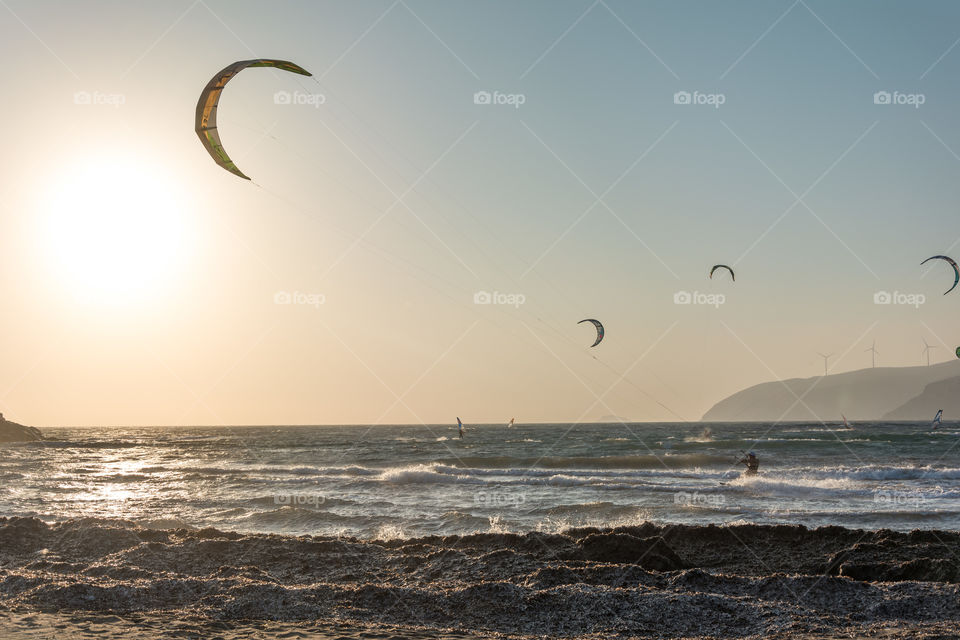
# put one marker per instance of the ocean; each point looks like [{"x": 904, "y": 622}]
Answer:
[{"x": 385, "y": 482}]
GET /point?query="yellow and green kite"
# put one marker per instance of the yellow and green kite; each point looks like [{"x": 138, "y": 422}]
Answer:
[{"x": 206, "y": 121}]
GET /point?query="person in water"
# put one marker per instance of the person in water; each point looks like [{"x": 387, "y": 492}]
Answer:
[{"x": 752, "y": 462}]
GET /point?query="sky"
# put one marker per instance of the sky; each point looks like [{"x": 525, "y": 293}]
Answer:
[{"x": 458, "y": 184}]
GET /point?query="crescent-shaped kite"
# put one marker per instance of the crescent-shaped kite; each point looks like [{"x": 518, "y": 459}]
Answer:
[
  {"x": 599, "y": 327},
  {"x": 723, "y": 266},
  {"x": 206, "y": 121},
  {"x": 953, "y": 263}
]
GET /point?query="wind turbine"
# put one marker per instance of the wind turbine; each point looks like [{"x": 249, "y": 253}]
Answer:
[
  {"x": 874, "y": 353},
  {"x": 926, "y": 350},
  {"x": 825, "y": 356}
]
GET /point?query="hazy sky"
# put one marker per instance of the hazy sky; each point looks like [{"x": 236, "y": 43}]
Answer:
[{"x": 143, "y": 284}]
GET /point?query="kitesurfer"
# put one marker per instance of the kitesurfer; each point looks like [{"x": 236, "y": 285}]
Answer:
[{"x": 752, "y": 462}]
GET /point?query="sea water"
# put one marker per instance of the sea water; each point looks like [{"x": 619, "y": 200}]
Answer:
[{"x": 390, "y": 481}]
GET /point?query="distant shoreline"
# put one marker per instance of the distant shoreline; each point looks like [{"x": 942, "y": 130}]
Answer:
[{"x": 872, "y": 395}]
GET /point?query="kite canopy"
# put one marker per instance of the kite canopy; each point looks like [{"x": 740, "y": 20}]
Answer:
[
  {"x": 598, "y": 326},
  {"x": 956, "y": 270},
  {"x": 958, "y": 352},
  {"x": 723, "y": 266},
  {"x": 206, "y": 120}
]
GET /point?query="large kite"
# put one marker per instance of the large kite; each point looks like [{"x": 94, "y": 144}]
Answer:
[
  {"x": 956, "y": 270},
  {"x": 723, "y": 266},
  {"x": 599, "y": 327},
  {"x": 206, "y": 121}
]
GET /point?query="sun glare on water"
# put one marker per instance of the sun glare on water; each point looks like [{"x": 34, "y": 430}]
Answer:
[{"x": 115, "y": 231}]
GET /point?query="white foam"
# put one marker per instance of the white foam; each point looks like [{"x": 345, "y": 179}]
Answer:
[
  {"x": 497, "y": 525},
  {"x": 874, "y": 472},
  {"x": 426, "y": 473},
  {"x": 389, "y": 532}
]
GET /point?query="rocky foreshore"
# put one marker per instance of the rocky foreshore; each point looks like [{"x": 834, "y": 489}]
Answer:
[
  {"x": 647, "y": 581},
  {"x": 13, "y": 432}
]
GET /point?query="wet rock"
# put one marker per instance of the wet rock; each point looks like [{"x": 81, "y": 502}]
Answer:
[
  {"x": 920, "y": 570},
  {"x": 621, "y": 548},
  {"x": 751, "y": 581}
]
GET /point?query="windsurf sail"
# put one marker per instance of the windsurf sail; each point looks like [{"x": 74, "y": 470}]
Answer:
[
  {"x": 460, "y": 426},
  {"x": 510, "y": 424},
  {"x": 937, "y": 419},
  {"x": 845, "y": 423}
]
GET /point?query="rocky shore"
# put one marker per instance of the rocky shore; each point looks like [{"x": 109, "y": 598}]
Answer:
[{"x": 647, "y": 581}]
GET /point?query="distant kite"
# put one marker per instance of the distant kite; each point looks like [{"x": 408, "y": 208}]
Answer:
[
  {"x": 956, "y": 270},
  {"x": 958, "y": 352},
  {"x": 599, "y": 327},
  {"x": 206, "y": 121},
  {"x": 723, "y": 266}
]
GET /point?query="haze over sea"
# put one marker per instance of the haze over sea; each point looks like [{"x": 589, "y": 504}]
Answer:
[{"x": 405, "y": 481}]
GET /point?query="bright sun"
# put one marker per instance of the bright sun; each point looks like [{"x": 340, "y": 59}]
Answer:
[{"x": 115, "y": 230}]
